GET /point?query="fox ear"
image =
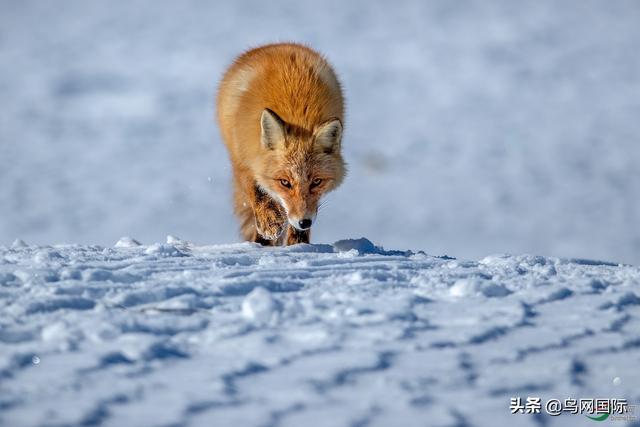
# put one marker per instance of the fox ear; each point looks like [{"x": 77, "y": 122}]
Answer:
[
  {"x": 328, "y": 135},
  {"x": 272, "y": 129}
]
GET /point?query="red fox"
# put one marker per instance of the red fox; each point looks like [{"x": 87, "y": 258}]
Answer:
[{"x": 280, "y": 112}]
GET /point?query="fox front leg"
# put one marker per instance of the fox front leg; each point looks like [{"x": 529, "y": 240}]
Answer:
[
  {"x": 271, "y": 221},
  {"x": 295, "y": 236}
]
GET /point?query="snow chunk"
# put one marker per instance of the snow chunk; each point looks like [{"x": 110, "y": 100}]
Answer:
[
  {"x": 365, "y": 246},
  {"x": 182, "y": 245},
  {"x": 467, "y": 287},
  {"x": 46, "y": 255},
  {"x": 18, "y": 244},
  {"x": 96, "y": 274},
  {"x": 352, "y": 253},
  {"x": 259, "y": 306},
  {"x": 557, "y": 295},
  {"x": 362, "y": 245},
  {"x": 127, "y": 242},
  {"x": 164, "y": 251},
  {"x": 55, "y": 332},
  {"x": 462, "y": 288},
  {"x": 173, "y": 240}
]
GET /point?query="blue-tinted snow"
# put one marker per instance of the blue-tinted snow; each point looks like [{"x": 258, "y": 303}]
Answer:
[{"x": 314, "y": 335}]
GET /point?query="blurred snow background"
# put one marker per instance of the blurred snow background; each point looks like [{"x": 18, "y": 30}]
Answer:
[{"x": 473, "y": 126}]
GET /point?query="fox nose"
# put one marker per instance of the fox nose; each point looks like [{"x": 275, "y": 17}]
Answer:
[{"x": 305, "y": 223}]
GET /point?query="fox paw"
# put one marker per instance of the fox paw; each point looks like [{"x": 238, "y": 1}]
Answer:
[{"x": 270, "y": 224}]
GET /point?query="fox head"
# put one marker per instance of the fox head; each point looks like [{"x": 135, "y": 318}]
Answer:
[{"x": 299, "y": 166}]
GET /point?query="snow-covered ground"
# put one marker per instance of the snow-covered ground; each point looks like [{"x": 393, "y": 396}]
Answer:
[
  {"x": 347, "y": 334},
  {"x": 472, "y": 127}
]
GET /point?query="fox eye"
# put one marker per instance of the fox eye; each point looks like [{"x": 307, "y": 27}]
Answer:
[
  {"x": 316, "y": 182},
  {"x": 285, "y": 183}
]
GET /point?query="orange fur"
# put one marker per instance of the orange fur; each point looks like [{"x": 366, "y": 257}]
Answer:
[{"x": 280, "y": 111}]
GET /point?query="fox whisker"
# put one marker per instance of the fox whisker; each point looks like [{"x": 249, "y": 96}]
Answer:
[{"x": 323, "y": 204}]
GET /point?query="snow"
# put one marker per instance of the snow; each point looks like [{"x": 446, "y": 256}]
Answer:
[
  {"x": 346, "y": 334},
  {"x": 472, "y": 127},
  {"x": 127, "y": 242},
  {"x": 259, "y": 306}
]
